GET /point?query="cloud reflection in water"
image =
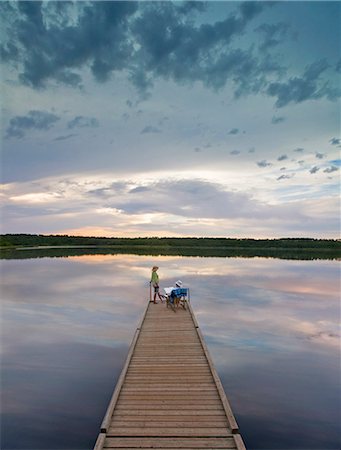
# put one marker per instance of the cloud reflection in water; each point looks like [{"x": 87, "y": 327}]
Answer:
[{"x": 271, "y": 327}]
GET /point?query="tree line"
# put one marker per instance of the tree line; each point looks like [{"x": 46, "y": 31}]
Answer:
[{"x": 34, "y": 240}]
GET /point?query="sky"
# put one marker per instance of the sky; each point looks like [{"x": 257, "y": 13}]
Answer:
[{"x": 218, "y": 119}]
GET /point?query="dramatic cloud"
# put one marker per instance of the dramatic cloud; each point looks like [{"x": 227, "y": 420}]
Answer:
[
  {"x": 109, "y": 37},
  {"x": 98, "y": 37},
  {"x": 37, "y": 120},
  {"x": 172, "y": 86},
  {"x": 307, "y": 87}
]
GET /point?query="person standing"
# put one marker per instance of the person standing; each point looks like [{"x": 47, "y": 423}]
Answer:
[{"x": 155, "y": 282}]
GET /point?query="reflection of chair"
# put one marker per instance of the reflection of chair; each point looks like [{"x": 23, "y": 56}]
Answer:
[{"x": 178, "y": 297}]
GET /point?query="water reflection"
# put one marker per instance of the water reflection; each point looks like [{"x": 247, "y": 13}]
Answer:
[{"x": 271, "y": 327}]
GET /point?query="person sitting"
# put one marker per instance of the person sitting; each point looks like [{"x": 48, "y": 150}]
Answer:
[{"x": 174, "y": 293}]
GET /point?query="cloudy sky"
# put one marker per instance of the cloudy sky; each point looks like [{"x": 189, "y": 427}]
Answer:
[{"x": 171, "y": 118}]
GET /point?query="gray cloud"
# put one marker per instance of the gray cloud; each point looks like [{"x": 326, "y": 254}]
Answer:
[
  {"x": 189, "y": 198},
  {"x": 331, "y": 169},
  {"x": 307, "y": 87},
  {"x": 263, "y": 163},
  {"x": 273, "y": 34},
  {"x": 234, "y": 131},
  {"x": 235, "y": 152},
  {"x": 38, "y": 120},
  {"x": 63, "y": 138},
  {"x": 282, "y": 158},
  {"x": 275, "y": 120},
  {"x": 150, "y": 129},
  {"x": 285, "y": 177},
  {"x": 335, "y": 141},
  {"x": 129, "y": 36},
  {"x": 314, "y": 169},
  {"x": 319, "y": 155},
  {"x": 49, "y": 46},
  {"x": 55, "y": 41},
  {"x": 83, "y": 122},
  {"x": 338, "y": 66},
  {"x": 299, "y": 150}
]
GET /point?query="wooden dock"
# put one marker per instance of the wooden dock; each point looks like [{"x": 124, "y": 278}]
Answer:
[{"x": 169, "y": 395}]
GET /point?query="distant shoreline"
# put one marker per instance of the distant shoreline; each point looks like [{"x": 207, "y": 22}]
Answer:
[
  {"x": 38, "y": 240},
  {"x": 31, "y": 246}
]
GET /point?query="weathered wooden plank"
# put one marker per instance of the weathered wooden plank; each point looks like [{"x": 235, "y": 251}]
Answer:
[
  {"x": 166, "y": 407},
  {"x": 217, "y": 423},
  {"x": 170, "y": 412},
  {"x": 175, "y": 443},
  {"x": 168, "y": 432},
  {"x": 239, "y": 442},
  {"x": 170, "y": 419},
  {"x": 100, "y": 441}
]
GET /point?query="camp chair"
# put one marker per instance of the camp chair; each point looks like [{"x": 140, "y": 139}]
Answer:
[{"x": 178, "y": 297}]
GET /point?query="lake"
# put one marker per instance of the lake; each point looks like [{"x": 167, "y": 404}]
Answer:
[{"x": 271, "y": 326}]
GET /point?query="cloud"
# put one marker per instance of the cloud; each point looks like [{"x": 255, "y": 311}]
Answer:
[
  {"x": 235, "y": 152},
  {"x": 150, "y": 129},
  {"x": 263, "y": 163},
  {"x": 282, "y": 158},
  {"x": 275, "y": 120},
  {"x": 34, "y": 120},
  {"x": 307, "y": 87},
  {"x": 110, "y": 37},
  {"x": 331, "y": 169},
  {"x": 63, "y": 138},
  {"x": 96, "y": 37},
  {"x": 314, "y": 169},
  {"x": 335, "y": 141},
  {"x": 285, "y": 177},
  {"x": 83, "y": 122},
  {"x": 234, "y": 131},
  {"x": 151, "y": 41},
  {"x": 186, "y": 198},
  {"x": 273, "y": 34},
  {"x": 319, "y": 155},
  {"x": 299, "y": 150},
  {"x": 338, "y": 66}
]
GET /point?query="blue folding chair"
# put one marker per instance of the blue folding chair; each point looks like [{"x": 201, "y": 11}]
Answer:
[{"x": 178, "y": 297}]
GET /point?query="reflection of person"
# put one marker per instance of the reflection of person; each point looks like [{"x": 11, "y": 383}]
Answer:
[{"x": 155, "y": 282}]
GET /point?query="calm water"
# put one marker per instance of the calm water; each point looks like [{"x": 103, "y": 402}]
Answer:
[{"x": 271, "y": 327}]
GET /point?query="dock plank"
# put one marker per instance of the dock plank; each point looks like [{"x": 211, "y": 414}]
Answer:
[{"x": 169, "y": 395}]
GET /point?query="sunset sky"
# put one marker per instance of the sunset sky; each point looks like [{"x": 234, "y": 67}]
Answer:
[{"x": 171, "y": 118}]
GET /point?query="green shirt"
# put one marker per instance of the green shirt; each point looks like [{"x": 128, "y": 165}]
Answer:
[{"x": 155, "y": 277}]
